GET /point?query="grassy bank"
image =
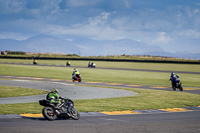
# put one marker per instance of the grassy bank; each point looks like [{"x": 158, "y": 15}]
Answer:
[
  {"x": 9, "y": 91},
  {"x": 128, "y": 65},
  {"x": 99, "y": 75},
  {"x": 146, "y": 99}
]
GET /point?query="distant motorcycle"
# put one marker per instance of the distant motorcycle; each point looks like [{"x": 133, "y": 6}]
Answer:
[
  {"x": 34, "y": 62},
  {"x": 176, "y": 84},
  {"x": 68, "y": 63},
  {"x": 65, "y": 110},
  {"x": 77, "y": 77},
  {"x": 92, "y": 65}
]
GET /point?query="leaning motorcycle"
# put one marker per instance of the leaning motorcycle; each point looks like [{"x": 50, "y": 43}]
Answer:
[
  {"x": 77, "y": 77},
  {"x": 65, "y": 110},
  {"x": 177, "y": 85},
  {"x": 34, "y": 62},
  {"x": 92, "y": 65}
]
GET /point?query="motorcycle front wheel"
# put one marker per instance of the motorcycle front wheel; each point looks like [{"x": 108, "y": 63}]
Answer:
[
  {"x": 174, "y": 88},
  {"x": 49, "y": 114},
  {"x": 74, "y": 114},
  {"x": 181, "y": 88}
]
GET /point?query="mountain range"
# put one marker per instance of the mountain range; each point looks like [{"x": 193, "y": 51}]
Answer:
[{"x": 87, "y": 47}]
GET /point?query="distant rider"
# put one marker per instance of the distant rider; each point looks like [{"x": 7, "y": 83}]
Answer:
[
  {"x": 54, "y": 98},
  {"x": 34, "y": 61},
  {"x": 89, "y": 64},
  {"x": 75, "y": 73},
  {"x": 173, "y": 78},
  {"x": 68, "y": 63}
]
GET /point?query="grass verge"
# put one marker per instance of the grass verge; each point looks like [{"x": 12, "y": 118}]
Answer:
[
  {"x": 9, "y": 91},
  {"x": 145, "y": 100},
  {"x": 99, "y": 75},
  {"x": 107, "y": 64}
]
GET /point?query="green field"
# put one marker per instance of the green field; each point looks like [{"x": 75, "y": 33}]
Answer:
[
  {"x": 106, "y": 64},
  {"x": 146, "y": 99},
  {"x": 100, "y": 75},
  {"x": 9, "y": 91}
]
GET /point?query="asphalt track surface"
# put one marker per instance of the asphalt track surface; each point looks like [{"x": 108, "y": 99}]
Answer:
[
  {"x": 153, "y": 122},
  {"x": 68, "y": 82},
  {"x": 182, "y": 122},
  {"x": 65, "y": 90}
]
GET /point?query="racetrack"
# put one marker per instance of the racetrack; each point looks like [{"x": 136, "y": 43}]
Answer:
[
  {"x": 190, "y": 90},
  {"x": 182, "y": 122},
  {"x": 152, "y": 122},
  {"x": 65, "y": 89}
]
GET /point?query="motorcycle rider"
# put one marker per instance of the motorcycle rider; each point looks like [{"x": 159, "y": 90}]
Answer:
[
  {"x": 54, "y": 98},
  {"x": 35, "y": 61},
  {"x": 89, "y": 64},
  {"x": 173, "y": 77},
  {"x": 93, "y": 65},
  {"x": 75, "y": 73},
  {"x": 68, "y": 63}
]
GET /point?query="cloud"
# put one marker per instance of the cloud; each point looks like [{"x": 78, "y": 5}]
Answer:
[
  {"x": 190, "y": 34},
  {"x": 127, "y": 3},
  {"x": 99, "y": 20},
  {"x": 80, "y": 3},
  {"x": 155, "y": 22},
  {"x": 11, "y": 6},
  {"x": 88, "y": 30},
  {"x": 162, "y": 38},
  {"x": 13, "y": 35}
]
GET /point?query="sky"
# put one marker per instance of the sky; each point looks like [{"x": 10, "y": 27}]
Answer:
[{"x": 168, "y": 26}]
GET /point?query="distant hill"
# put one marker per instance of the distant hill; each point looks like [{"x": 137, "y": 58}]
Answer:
[
  {"x": 86, "y": 47},
  {"x": 49, "y": 44}
]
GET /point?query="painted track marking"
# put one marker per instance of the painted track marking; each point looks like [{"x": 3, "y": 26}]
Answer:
[
  {"x": 175, "y": 110},
  {"x": 32, "y": 115},
  {"x": 120, "y": 112},
  {"x": 160, "y": 87},
  {"x": 134, "y": 85},
  {"x": 113, "y": 84},
  {"x": 196, "y": 108},
  {"x": 37, "y": 78},
  {"x": 93, "y": 82},
  {"x": 56, "y": 79},
  {"x": 113, "y": 119}
]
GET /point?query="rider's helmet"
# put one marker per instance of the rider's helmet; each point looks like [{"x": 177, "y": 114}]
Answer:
[
  {"x": 172, "y": 74},
  {"x": 55, "y": 90},
  {"x": 75, "y": 69}
]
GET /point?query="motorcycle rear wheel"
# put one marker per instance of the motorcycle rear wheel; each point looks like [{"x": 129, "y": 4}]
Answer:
[{"x": 49, "y": 114}]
